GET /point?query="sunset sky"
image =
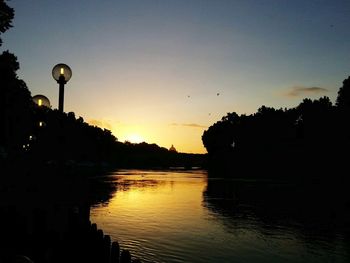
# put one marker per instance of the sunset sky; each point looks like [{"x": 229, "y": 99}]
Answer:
[{"x": 162, "y": 71}]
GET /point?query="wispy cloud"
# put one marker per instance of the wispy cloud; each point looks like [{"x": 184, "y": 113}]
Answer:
[
  {"x": 100, "y": 123},
  {"x": 191, "y": 125},
  {"x": 298, "y": 91}
]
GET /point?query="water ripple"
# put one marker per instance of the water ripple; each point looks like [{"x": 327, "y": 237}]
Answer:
[{"x": 166, "y": 217}]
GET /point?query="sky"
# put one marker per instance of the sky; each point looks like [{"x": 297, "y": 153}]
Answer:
[{"x": 163, "y": 71}]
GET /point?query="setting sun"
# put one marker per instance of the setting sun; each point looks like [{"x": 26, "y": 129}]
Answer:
[{"x": 134, "y": 138}]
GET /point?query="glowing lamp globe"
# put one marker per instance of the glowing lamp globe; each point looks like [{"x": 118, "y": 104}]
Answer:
[
  {"x": 41, "y": 100},
  {"x": 61, "y": 73}
]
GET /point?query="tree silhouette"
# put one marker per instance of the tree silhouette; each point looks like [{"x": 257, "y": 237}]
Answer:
[
  {"x": 15, "y": 104},
  {"x": 15, "y": 99},
  {"x": 343, "y": 109},
  {"x": 268, "y": 141},
  {"x": 343, "y": 99},
  {"x": 6, "y": 17}
]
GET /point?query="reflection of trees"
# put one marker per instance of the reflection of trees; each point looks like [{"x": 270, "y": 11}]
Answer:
[
  {"x": 309, "y": 210},
  {"x": 128, "y": 184},
  {"x": 104, "y": 188}
]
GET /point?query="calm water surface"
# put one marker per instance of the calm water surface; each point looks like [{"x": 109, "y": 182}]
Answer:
[{"x": 169, "y": 216}]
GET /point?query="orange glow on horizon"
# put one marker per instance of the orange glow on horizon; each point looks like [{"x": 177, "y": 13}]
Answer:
[{"x": 185, "y": 139}]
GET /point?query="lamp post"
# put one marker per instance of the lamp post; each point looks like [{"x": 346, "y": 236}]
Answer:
[{"x": 62, "y": 74}]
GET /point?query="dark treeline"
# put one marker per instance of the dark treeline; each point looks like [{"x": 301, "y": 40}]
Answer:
[
  {"x": 144, "y": 155},
  {"x": 308, "y": 141},
  {"x": 46, "y": 136}
]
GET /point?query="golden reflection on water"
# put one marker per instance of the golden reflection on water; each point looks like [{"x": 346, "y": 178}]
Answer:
[
  {"x": 149, "y": 202},
  {"x": 162, "y": 217}
]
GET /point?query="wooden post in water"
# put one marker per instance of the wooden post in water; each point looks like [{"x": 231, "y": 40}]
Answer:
[
  {"x": 106, "y": 249},
  {"x": 100, "y": 235},
  {"x": 99, "y": 245},
  {"x": 125, "y": 257},
  {"x": 92, "y": 243},
  {"x": 115, "y": 251},
  {"x": 93, "y": 231}
]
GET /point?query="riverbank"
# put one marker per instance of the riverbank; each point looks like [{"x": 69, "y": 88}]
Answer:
[{"x": 45, "y": 216}]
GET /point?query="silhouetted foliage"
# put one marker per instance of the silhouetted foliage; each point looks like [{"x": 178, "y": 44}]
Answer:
[
  {"x": 15, "y": 104},
  {"x": 343, "y": 99},
  {"x": 308, "y": 139},
  {"x": 6, "y": 15}
]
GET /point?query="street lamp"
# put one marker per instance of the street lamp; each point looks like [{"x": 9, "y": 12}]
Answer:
[{"x": 62, "y": 74}]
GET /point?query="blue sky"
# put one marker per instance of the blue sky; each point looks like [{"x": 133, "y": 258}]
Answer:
[{"x": 152, "y": 70}]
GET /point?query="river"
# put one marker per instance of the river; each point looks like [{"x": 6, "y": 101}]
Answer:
[{"x": 176, "y": 216}]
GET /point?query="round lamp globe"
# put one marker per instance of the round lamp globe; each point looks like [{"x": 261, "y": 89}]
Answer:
[{"x": 61, "y": 73}]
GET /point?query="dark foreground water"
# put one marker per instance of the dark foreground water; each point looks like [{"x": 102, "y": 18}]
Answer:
[{"x": 171, "y": 216}]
